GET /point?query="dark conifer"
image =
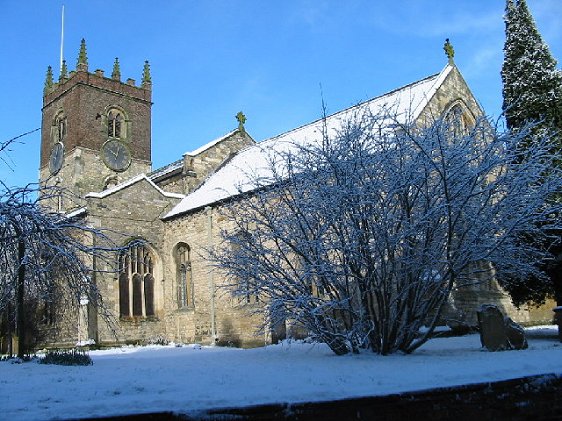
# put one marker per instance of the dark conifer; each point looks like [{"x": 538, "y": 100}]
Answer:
[
  {"x": 532, "y": 93},
  {"x": 532, "y": 85}
]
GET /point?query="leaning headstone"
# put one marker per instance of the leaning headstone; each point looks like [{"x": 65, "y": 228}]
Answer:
[
  {"x": 515, "y": 334},
  {"x": 492, "y": 328}
]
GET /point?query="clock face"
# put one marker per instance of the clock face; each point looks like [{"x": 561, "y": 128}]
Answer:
[
  {"x": 116, "y": 155},
  {"x": 55, "y": 160}
]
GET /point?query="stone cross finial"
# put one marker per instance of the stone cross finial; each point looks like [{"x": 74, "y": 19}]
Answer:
[
  {"x": 146, "y": 78},
  {"x": 82, "y": 63},
  {"x": 116, "y": 72},
  {"x": 48, "y": 81},
  {"x": 63, "y": 72},
  {"x": 449, "y": 51},
  {"x": 241, "y": 120}
]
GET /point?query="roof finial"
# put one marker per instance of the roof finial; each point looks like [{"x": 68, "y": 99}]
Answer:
[
  {"x": 449, "y": 51},
  {"x": 146, "y": 78},
  {"x": 241, "y": 120},
  {"x": 116, "y": 73},
  {"x": 48, "y": 81},
  {"x": 63, "y": 72},
  {"x": 82, "y": 63}
]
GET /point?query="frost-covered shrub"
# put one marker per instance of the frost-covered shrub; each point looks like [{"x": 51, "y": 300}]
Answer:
[
  {"x": 361, "y": 235},
  {"x": 157, "y": 340},
  {"x": 66, "y": 357}
]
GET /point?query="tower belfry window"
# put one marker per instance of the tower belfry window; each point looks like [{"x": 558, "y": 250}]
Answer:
[
  {"x": 61, "y": 129},
  {"x": 114, "y": 124},
  {"x": 58, "y": 130}
]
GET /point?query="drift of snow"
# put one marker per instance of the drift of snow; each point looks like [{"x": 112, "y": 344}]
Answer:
[{"x": 191, "y": 378}]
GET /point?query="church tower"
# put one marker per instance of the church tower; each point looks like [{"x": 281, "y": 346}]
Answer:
[{"x": 96, "y": 130}]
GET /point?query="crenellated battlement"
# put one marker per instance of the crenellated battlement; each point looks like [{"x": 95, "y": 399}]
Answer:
[{"x": 81, "y": 75}]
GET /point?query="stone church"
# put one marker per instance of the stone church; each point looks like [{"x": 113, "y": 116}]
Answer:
[{"x": 96, "y": 143}]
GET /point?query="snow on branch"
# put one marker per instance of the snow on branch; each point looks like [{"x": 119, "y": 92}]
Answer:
[{"x": 361, "y": 235}]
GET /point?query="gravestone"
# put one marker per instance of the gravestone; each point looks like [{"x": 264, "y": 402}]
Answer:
[
  {"x": 492, "y": 328},
  {"x": 515, "y": 334},
  {"x": 498, "y": 333}
]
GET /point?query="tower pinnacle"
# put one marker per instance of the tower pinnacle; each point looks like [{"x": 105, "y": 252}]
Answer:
[
  {"x": 82, "y": 64},
  {"x": 48, "y": 81},
  {"x": 146, "y": 78},
  {"x": 116, "y": 73},
  {"x": 63, "y": 72}
]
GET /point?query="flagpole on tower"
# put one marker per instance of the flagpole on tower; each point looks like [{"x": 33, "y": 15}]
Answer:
[{"x": 62, "y": 38}]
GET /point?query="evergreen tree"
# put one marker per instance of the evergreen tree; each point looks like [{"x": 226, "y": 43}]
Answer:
[
  {"x": 532, "y": 85},
  {"x": 532, "y": 94}
]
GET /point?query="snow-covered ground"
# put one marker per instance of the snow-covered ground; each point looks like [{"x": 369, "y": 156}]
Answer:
[{"x": 189, "y": 378}]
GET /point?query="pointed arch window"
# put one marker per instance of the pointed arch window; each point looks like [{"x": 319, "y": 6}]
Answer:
[
  {"x": 115, "y": 124},
  {"x": 136, "y": 282},
  {"x": 184, "y": 276},
  {"x": 59, "y": 128},
  {"x": 458, "y": 120},
  {"x": 246, "y": 290}
]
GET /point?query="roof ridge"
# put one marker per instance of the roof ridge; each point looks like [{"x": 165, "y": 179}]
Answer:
[
  {"x": 130, "y": 182},
  {"x": 164, "y": 168},
  {"x": 230, "y": 180},
  {"x": 357, "y": 105},
  {"x": 210, "y": 144}
]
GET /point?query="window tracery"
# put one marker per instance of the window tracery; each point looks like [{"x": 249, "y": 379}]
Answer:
[
  {"x": 184, "y": 276},
  {"x": 458, "y": 120},
  {"x": 136, "y": 282},
  {"x": 59, "y": 128},
  {"x": 115, "y": 124},
  {"x": 246, "y": 288}
]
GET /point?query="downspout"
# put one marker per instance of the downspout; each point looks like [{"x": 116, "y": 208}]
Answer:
[{"x": 208, "y": 210}]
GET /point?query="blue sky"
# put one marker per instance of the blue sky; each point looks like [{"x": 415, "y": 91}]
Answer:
[{"x": 275, "y": 61}]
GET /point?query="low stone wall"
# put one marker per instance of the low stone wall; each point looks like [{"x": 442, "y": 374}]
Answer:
[{"x": 536, "y": 398}]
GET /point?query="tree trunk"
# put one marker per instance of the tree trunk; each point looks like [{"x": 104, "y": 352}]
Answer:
[{"x": 20, "y": 290}]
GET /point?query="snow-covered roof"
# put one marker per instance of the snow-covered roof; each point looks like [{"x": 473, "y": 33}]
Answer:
[
  {"x": 167, "y": 169},
  {"x": 236, "y": 176},
  {"x": 176, "y": 165},
  {"x": 210, "y": 144},
  {"x": 77, "y": 212},
  {"x": 130, "y": 182}
]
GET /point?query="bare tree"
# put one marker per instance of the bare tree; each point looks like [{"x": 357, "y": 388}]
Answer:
[
  {"x": 362, "y": 235},
  {"x": 45, "y": 259}
]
